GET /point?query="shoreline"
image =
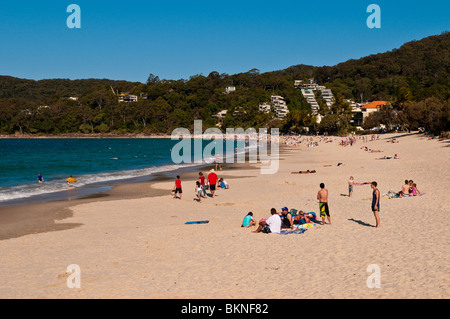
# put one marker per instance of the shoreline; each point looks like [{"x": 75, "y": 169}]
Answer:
[
  {"x": 39, "y": 214},
  {"x": 139, "y": 246},
  {"x": 82, "y": 136}
]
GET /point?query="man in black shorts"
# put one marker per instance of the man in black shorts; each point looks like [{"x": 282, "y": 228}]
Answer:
[{"x": 177, "y": 188}]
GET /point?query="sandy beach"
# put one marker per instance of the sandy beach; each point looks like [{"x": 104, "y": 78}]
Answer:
[{"x": 130, "y": 246}]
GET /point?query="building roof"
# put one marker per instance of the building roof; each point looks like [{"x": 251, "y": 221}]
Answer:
[{"x": 374, "y": 105}]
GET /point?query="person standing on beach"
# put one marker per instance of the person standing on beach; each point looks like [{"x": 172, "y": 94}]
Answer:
[
  {"x": 212, "y": 180},
  {"x": 202, "y": 184},
  {"x": 177, "y": 188},
  {"x": 218, "y": 165},
  {"x": 351, "y": 184},
  {"x": 376, "y": 203},
  {"x": 40, "y": 178},
  {"x": 322, "y": 197},
  {"x": 198, "y": 191}
]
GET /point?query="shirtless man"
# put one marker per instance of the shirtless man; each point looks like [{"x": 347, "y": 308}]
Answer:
[
  {"x": 405, "y": 189},
  {"x": 322, "y": 197}
]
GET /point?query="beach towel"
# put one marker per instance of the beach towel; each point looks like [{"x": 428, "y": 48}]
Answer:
[
  {"x": 393, "y": 195},
  {"x": 295, "y": 231},
  {"x": 306, "y": 226}
]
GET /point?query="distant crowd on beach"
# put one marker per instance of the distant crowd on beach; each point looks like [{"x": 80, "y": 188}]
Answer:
[{"x": 314, "y": 141}]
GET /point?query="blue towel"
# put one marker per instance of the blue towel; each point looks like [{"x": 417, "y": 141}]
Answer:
[{"x": 297, "y": 231}]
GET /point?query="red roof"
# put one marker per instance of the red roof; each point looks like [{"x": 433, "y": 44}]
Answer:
[{"x": 375, "y": 105}]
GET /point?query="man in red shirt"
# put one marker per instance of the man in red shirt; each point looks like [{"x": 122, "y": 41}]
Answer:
[
  {"x": 212, "y": 179},
  {"x": 177, "y": 188}
]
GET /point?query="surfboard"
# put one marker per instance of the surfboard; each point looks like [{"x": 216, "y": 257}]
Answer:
[
  {"x": 197, "y": 222},
  {"x": 71, "y": 180}
]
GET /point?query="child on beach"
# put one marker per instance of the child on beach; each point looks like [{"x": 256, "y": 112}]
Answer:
[
  {"x": 248, "y": 221},
  {"x": 223, "y": 184},
  {"x": 177, "y": 188},
  {"x": 415, "y": 191},
  {"x": 198, "y": 190},
  {"x": 203, "y": 184},
  {"x": 351, "y": 184}
]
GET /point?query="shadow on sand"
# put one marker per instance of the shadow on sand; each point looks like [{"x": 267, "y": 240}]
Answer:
[{"x": 361, "y": 222}]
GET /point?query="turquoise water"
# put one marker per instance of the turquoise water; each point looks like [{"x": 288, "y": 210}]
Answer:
[{"x": 90, "y": 161}]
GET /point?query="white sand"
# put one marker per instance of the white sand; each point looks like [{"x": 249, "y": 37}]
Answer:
[{"x": 141, "y": 248}]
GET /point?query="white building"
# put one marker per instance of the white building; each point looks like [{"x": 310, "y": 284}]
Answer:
[
  {"x": 280, "y": 106},
  {"x": 265, "y": 107},
  {"x": 308, "y": 90},
  {"x": 328, "y": 97},
  {"x": 230, "y": 89},
  {"x": 311, "y": 99},
  {"x": 127, "y": 98},
  {"x": 221, "y": 115}
]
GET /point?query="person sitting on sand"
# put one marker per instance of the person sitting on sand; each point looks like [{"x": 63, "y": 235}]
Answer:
[
  {"x": 411, "y": 184},
  {"x": 305, "y": 172},
  {"x": 415, "y": 191},
  {"x": 223, "y": 184},
  {"x": 304, "y": 218},
  {"x": 286, "y": 218},
  {"x": 248, "y": 221},
  {"x": 405, "y": 189},
  {"x": 271, "y": 224}
]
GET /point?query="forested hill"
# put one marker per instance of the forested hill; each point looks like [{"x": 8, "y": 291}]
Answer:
[
  {"x": 414, "y": 73},
  {"x": 423, "y": 67}
]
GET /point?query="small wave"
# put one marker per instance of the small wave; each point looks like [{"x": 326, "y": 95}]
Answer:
[{"x": 60, "y": 185}]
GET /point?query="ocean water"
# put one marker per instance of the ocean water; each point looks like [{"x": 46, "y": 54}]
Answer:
[{"x": 90, "y": 161}]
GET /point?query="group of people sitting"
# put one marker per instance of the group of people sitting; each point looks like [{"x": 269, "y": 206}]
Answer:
[
  {"x": 279, "y": 220},
  {"x": 409, "y": 189},
  {"x": 305, "y": 172}
]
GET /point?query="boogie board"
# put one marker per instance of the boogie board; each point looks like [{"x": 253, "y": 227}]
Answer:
[
  {"x": 197, "y": 222},
  {"x": 71, "y": 180}
]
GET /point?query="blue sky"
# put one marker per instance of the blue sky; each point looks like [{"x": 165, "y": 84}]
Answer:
[{"x": 128, "y": 40}]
